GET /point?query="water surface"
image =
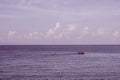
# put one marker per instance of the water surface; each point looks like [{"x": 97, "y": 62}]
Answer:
[{"x": 59, "y": 63}]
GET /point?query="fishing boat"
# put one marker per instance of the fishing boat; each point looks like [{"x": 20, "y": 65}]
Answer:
[{"x": 80, "y": 52}]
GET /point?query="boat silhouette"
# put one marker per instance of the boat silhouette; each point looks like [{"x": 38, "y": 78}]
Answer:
[{"x": 81, "y": 52}]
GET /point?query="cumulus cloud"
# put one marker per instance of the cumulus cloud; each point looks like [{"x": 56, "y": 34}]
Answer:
[
  {"x": 25, "y": 36},
  {"x": 59, "y": 31},
  {"x": 85, "y": 30},
  {"x": 72, "y": 27},
  {"x": 51, "y": 32},
  {"x": 98, "y": 32},
  {"x": 30, "y": 35},
  {"x": 59, "y": 35},
  {"x": 33, "y": 35},
  {"x": 116, "y": 34},
  {"x": 67, "y": 32},
  {"x": 11, "y": 34},
  {"x": 57, "y": 25},
  {"x": 63, "y": 32}
]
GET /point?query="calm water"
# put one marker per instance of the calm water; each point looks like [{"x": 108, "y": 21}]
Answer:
[{"x": 59, "y": 63}]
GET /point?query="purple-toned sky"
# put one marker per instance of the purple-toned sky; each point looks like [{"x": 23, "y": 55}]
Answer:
[{"x": 60, "y": 22}]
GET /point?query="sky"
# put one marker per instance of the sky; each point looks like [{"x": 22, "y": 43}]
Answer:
[{"x": 62, "y": 22}]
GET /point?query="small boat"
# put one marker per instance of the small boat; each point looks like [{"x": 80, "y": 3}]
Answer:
[{"x": 81, "y": 53}]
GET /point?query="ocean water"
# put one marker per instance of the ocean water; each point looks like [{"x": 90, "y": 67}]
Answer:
[{"x": 60, "y": 62}]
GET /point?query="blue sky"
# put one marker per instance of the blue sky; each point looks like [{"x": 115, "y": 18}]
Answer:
[{"x": 60, "y": 22}]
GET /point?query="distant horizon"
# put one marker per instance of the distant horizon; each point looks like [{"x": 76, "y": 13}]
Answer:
[{"x": 60, "y": 45}]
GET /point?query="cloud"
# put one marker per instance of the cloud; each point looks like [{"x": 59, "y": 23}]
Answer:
[
  {"x": 58, "y": 36},
  {"x": 98, "y": 32},
  {"x": 11, "y": 34},
  {"x": 25, "y": 36},
  {"x": 57, "y": 25},
  {"x": 60, "y": 32},
  {"x": 30, "y": 35},
  {"x": 63, "y": 32},
  {"x": 51, "y": 32},
  {"x": 72, "y": 27},
  {"x": 33, "y": 35},
  {"x": 116, "y": 34},
  {"x": 85, "y": 31}
]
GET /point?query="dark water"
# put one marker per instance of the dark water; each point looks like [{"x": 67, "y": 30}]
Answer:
[{"x": 59, "y": 63}]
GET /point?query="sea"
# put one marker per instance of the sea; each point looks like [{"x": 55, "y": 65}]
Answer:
[{"x": 59, "y": 62}]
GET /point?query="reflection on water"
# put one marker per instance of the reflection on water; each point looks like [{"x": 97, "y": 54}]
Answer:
[{"x": 51, "y": 65}]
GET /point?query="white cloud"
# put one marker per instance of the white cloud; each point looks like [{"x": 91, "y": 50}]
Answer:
[
  {"x": 65, "y": 32},
  {"x": 116, "y": 34},
  {"x": 72, "y": 27},
  {"x": 86, "y": 28},
  {"x": 57, "y": 25},
  {"x": 59, "y": 32},
  {"x": 98, "y": 32},
  {"x": 51, "y": 32},
  {"x": 85, "y": 31},
  {"x": 33, "y": 35},
  {"x": 11, "y": 34},
  {"x": 37, "y": 35},
  {"x": 30, "y": 35},
  {"x": 58, "y": 36},
  {"x": 68, "y": 31}
]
